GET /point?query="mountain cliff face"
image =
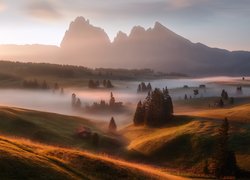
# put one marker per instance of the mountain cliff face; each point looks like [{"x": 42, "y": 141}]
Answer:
[
  {"x": 157, "y": 48},
  {"x": 81, "y": 34}
]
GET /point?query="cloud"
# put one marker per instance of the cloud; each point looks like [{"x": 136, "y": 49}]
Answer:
[{"x": 43, "y": 10}]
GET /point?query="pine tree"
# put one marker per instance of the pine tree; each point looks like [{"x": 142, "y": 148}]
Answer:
[
  {"x": 139, "y": 88},
  {"x": 143, "y": 87},
  {"x": 139, "y": 114},
  {"x": 112, "y": 100},
  {"x": 104, "y": 83},
  {"x": 149, "y": 87},
  {"x": 73, "y": 100},
  {"x": 109, "y": 84},
  {"x": 224, "y": 94},
  {"x": 186, "y": 97},
  {"x": 112, "y": 125}
]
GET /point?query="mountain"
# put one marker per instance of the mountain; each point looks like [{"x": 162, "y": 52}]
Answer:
[
  {"x": 157, "y": 48},
  {"x": 84, "y": 44}
]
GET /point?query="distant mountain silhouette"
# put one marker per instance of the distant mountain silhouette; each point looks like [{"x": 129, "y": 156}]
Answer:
[{"x": 157, "y": 48}]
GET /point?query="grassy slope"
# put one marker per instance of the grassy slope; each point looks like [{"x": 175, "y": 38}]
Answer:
[
  {"x": 21, "y": 159},
  {"x": 238, "y": 113},
  {"x": 49, "y": 128},
  {"x": 187, "y": 142},
  {"x": 195, "y": 104},
  {"x": 178, "y": 145}
]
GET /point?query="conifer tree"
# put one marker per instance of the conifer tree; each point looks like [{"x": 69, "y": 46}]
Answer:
[
  {"x": 112, "y": 125},
  {"x": 139, "y": 114}
]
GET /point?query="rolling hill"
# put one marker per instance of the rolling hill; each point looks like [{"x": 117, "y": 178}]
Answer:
[
  {"x": 187, "y": 142},
  {"x": 21, "y": 159},
  {"x": 238, "y": 113},
  {"x": 54, "y": 129}
]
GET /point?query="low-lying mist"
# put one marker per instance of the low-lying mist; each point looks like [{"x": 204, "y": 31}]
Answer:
[{"x": 127, "y": 93}]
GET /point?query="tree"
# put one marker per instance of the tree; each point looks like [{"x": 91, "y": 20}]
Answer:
[
  {"x": 112, "y": 100},
  {"x": 186, "y": 97},
  {"x": 156, "y": 110},
  {"x": 91, "y": 84},
  {"x": 73, "y": 99},
  {"x": 109, "y": 84},
  {"x": 149, "y": 87},
  {"x": 112, "y": 125},
  {"x": 224, "y": 95},
  {"x": 78, "y": 103},
  {"x": 221, "y": 103},
  {"x": 225, "y": 161},
  {"x": 196, "y": 92},
  {"x": 143, "y": 87},
  {"x": 104, "y": 83},
  {"x": 139, "y": 114},
  {"x": 139, "y": 88}
]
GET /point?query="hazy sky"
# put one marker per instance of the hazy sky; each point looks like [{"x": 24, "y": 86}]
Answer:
[{"x": 217, "y": 23}]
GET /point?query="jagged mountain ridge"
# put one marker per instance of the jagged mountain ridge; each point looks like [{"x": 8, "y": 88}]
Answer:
[{"x": 157, "y": 48}]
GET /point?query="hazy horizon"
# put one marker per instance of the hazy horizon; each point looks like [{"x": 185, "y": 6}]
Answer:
[{"x": 221, "y": 24}]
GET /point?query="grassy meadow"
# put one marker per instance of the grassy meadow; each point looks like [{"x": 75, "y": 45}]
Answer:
[
  {"x": 185, "y": 144},
  {"x": 51, "y": 128},
  {"x": 22, "y": 159}
]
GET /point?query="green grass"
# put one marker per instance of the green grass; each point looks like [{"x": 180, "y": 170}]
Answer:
[
  {"x": 51, "y": 128},
  {"x": 21, "y": 159}
]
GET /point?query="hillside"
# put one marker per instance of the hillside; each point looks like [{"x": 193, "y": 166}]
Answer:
[
  {"x": 12, "y": 74},
  {"x": 21, "y": 159},
  {"x": 239, "y": 113},
  {"x": 50, "y": 128},
  {"x": 157, "y": 48},
  {"x": 187, "y": 142}
]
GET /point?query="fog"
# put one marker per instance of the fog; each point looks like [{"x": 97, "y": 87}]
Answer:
[{"x": 126, "y": 92}]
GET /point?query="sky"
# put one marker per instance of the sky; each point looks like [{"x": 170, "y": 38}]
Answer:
[{"x": 216, "y": 23}]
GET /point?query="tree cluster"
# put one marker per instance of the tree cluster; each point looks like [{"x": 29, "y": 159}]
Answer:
[
  {"x": 107, "y": 84},
  {"x": 93, "y": 84},
  {"x": 34, "y": 84},
  {"x": 142, "y": 87},
  {"x": 156, "y": 110},
  {"x": 96, "y": 84}
]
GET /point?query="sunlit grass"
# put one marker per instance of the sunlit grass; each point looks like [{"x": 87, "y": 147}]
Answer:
[
  {"x": 68, "y": 163},
  {"x": 238, "y": 113}
]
